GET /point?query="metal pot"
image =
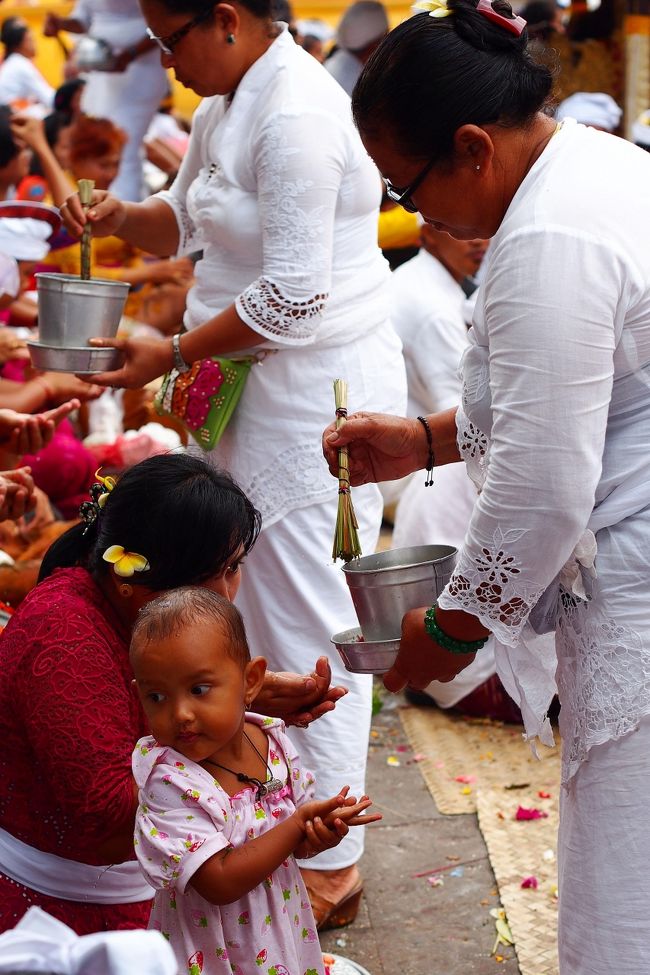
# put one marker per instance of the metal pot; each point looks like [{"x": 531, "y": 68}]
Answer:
[
  {"x": 361, "y": 656},
  {"x": 71, "y": 310},
  {"x": 384, "y": 586},
  {"x": 93, "y": 54}
]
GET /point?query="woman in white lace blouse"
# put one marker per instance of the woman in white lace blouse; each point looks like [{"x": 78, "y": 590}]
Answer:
[
  {"x": 279, "y": 194},
  {"x": 554, "y": 426}
]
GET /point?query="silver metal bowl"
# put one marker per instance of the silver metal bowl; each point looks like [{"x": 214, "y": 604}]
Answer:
[
  {"x": 71, "y": 310},
  {"x": 384, "y": 586},
  {"x": 83, "y": 360},
  {"x": 362, "y": 656},
  {"x": 93, "y": 54}
]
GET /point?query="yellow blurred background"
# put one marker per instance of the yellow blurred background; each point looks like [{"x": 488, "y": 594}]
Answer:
[{"x": 50, "y": 58}]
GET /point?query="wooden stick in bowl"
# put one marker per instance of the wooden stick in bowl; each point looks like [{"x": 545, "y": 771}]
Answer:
[{"x": 85, "y": 187}]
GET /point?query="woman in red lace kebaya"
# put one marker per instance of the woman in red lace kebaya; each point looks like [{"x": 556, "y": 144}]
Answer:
[{"x": 69, "y": 716}]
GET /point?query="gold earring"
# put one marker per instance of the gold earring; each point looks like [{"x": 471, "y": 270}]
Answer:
[{"x": 126, "y": 591}]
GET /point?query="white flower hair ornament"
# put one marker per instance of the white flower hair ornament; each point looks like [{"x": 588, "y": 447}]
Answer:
[
  {"x": 124, "y": 563},
  {"x": 435, "y": 8}
]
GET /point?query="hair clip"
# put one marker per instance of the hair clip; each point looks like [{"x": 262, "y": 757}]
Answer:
[
  {"x": 125, "y": 563},
  {"x": 515, "y": 25}
]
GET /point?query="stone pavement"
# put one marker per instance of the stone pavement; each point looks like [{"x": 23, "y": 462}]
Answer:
[{"x": 405, "y": 926}]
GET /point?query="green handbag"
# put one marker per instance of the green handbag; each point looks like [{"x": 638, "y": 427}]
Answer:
[{"x": 204, "y": 398}]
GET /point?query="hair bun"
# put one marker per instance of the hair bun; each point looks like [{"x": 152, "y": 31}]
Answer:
[{"x": 478, "y": 29}]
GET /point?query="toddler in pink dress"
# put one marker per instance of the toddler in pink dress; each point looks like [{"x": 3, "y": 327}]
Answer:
[{"x": 224, "y": 801}]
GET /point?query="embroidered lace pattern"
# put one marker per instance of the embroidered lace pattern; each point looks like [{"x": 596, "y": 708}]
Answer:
[
  {"x": 68, "y": 719},
  {"x": 603, "y": 678},
  {"x": 296, "y": 242},
  {"x": 473, "y": 446},
  {"x": 491, "y": 587},
  {"x": 297, "y": 476},
  {"x": 278, "y": 316},
  {"x": 187, "y": 235}
]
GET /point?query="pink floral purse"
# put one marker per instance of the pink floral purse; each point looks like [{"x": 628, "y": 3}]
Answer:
[{"x": 204, "y": 398}]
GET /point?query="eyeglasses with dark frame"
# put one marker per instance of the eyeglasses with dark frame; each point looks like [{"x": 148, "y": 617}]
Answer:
[
  {"x": 403, "y": 196},
  {"x": 168, "y": 43}
]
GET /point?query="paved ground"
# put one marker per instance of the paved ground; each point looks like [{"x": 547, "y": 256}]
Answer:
[{"x": 405, "y": 925}]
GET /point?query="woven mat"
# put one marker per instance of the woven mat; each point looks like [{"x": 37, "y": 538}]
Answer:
[
  {"x": 520, "y": 850},
  {"x": 485, "y": 767}
]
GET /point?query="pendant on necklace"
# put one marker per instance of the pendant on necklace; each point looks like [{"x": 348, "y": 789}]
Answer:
[{"x": 266, "y": 788}]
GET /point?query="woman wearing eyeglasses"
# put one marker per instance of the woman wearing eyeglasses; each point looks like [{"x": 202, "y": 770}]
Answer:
[
  {"x": 131, "y": 89},
  {"x": 278, "y": 192},
  {"x": 554, "y": 425}
]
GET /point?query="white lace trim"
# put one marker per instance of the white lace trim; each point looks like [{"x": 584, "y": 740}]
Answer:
[
  {"x": 603, "y": 678},
  {"x": 297, "y": 477},
  {"x": 188, "y": 239},
  {"x": 267, "y": 310},
  {"x": 490, "y": 586},
  {"x": 474, "y": 448}
]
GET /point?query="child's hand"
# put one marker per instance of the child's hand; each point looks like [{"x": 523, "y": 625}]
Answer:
[{"x": 326, "y": 822}]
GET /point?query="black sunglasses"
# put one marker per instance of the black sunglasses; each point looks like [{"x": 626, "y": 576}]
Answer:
[
  {"x": 168, "y": 43},
  {"x": 403, "y": 195}
]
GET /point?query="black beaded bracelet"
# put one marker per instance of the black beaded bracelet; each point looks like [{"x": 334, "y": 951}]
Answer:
[
  {"x": 444, "y": 640},
  {"x": 431, "y": 460}
]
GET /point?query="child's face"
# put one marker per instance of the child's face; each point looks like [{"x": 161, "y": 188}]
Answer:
[{"x": 192, "y": 691}]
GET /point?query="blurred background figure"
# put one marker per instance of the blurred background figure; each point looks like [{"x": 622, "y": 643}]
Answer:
[
  {"x": 21, "y": 83},
  {"x": 544, "y": 18},
  {"x": 14, "y": 157},
  {"x": 314, "y": 46},
  {"x": 129, "y": 92},
  {"x": 359, "y": 32},
  {"x": 595, "y": 108}
]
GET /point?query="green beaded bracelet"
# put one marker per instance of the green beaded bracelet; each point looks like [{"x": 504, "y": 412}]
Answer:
[{"x": 444, "y": 640}]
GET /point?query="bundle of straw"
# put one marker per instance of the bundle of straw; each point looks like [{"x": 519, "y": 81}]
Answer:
[
  {"x": 85, "y": 187},
  {"x": 346, "y": 536}
]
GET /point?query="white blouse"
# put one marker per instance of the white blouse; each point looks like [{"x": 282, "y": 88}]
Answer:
[
  {"x": 20, "y": 80},
  {"x": 555, "y": 428},
  {"x": 278, "y": 192}
]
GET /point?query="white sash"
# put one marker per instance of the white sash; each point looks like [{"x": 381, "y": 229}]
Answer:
[{"x": 118, "y": 883}]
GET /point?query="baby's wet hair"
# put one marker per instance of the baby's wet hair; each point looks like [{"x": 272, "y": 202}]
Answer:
[{"x": 178, "y": 609}]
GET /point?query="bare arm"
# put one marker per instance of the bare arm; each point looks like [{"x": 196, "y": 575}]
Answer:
[
  {"x": 145, "y": 359},
  {"x": 30, "y": 132},
  {"x": 386, "y": 448}
]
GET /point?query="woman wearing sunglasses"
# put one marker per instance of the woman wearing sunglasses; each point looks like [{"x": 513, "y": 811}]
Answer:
[
  {"x": 279, "y": 194},
  {"x": 554, "y": 426}
]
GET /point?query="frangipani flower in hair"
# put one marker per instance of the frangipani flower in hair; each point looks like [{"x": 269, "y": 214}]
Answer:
[
  {"x": 435, "y": 8},
  {"x": 125, "y": 563}
]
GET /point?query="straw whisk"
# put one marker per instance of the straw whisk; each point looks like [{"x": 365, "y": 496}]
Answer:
[
  {"x": 85, "y": 187},
  {"x": 346, "y": 535}
]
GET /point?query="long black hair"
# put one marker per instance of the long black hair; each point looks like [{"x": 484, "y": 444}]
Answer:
[
  {"x": 185, "y": 517},
  {"x": 430, "y": 76}
]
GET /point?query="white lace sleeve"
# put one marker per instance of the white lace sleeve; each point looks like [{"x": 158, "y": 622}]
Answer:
[
  {"x": 176, "y": 196},
  {"x": 553, "y": 305},
  {"x": 300, "y": 161}
]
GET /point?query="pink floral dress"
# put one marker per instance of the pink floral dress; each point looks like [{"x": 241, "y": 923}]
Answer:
[{"x": 183, "y": 819}]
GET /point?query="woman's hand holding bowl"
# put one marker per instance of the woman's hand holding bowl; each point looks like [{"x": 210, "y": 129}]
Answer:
[
  {"x": 144, "y": 360},
  {"x": 420, "y": 659},
  {"x": 381, "y": 447}
]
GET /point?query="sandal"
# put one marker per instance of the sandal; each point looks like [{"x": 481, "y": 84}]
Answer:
[{"x": 330, "y": 915}]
